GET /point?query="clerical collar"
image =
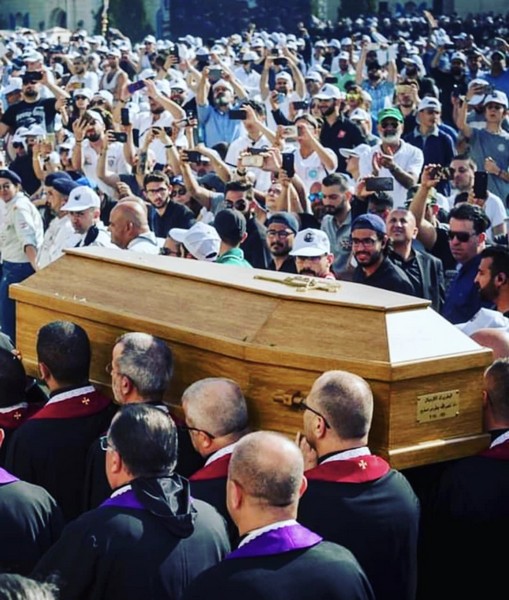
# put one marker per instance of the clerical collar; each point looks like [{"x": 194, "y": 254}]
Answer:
[
  {"x": 121, "y": 490},
  {"x": 69, "y": 392},
  {"x": 344, "y": 455},
  {"x": 257, "y": 532},
  {"x": 221, "y": 452},
  {"x": 499, "y": 437},
  {"x": 8, "y": 409}
]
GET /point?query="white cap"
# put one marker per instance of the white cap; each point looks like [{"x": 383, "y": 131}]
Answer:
[
  {"x": 147, "y": 74},
  {"x": 81, "y": 198},
  {"x": 328, "y": 92},
  {"x": 344, "y": 56},
  {"x": 33, "y": 130},
  {"x": 459, "y": 56},
  {"x": 359, "y": 114},
  {"x": 223, "y": 83},
  {"x": 87, "y": 92},
  {"x": 113, "y": 52},
  {"x": 105, "y": 95},
  {"x": 497, "y": 97},
  {"x": 150, "y": 39},
  {"x": 314, "y": 76},
  {"x": 201, "y": 240},
  {"x": 429, "y": 102},
  {"x": 284, "y": 75},
  {"x": 249, "y": 55},
  {"x": 13, "y": 85},
  {"x": 357, "y": 151},
  {"x": 310, "y": 242}
]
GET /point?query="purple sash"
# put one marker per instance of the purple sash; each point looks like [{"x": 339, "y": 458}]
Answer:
[
  {"x": 6, "y": 477},
  {"x": 125, "y": 500},
  {"x": 278, "y": 541}
]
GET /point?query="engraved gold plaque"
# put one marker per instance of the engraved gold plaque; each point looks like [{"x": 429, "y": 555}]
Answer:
[{"x": 439, "y": 405}]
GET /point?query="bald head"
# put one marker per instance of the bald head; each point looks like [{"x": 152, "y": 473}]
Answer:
[
  {"x": 495, "y": 339},
  {"x": 136, "y": 200},
  {"x": 346, "y": 401},
  {"x": 216, "y": 405},
  {"x": 128, "y": 220},
  {"x": 496, "y": 382},
  {"x": 269, "y": 467}
]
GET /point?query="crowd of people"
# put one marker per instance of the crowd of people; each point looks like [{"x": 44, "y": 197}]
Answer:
[{"x": 379, "y": 157}]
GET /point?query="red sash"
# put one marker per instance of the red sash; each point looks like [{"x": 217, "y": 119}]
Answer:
[
  {"x": 352, "y": 470},
  {"x": 81, "y": 405},
  {"x": 500, "y": 451},
  {"x": 215, "y": 470},
  {"x": 16, "y": 416}
]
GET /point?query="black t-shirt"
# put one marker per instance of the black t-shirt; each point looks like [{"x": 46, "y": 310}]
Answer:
[
  {"x": 175, "y": 215},
  {"x": 24, "y": 114}
]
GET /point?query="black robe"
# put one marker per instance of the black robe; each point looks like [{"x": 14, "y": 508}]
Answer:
[
  {"x": 291, "y": 569},
  {"x": 50, "y": 448},
  {"x": 30, "y": 522},
  {"x": 148, "y": 541},
  {"x": 371, "y": 509}
]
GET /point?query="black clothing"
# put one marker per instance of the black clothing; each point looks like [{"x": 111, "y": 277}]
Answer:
[
  {"x": 364, "y": 505},
  {"x": 149, "y": 540},
  {"x": 287, "y": 267},
  {"x": 388, "y": 276},
  {"x": 447, "y": 84},
  {"x": 23, "y": 114},
  {"x": 323, "y": 571},
  {"x": 426, "y": 274},
  {"x": 255, "y": 248},
  {"x": 175, "y": 215},
  {"x": 30, "y": 522},
  {"x": 343, "y": 133},
  {"x": 50, "y": 448},
  {"x": 23, "y": 166}
]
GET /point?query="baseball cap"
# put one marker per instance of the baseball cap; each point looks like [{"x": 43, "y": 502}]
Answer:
[
  {"x": 14, "y": 85},
  {"x": 459, "y": 56},
  {"x": 370, "y": 221},
  {"x": 11, "y": 176},
  {"x": 64, "y": 185},
  {"x": 147, "y": 74},
  {"x": 328, "y": 92},
  {"x": 105, "y": 95},
  {"x": 150, "y": 39},
  {"x": 230, "y": 224},
  {"x": 344, "y": 56},
  {"x": 284, "y": 218},
  {"x": 87, "y": 92},
  {"x": 391, "y": 112},
  {"x": 314, "y": 76},
  {"x": 34, "y": 130},
  {"x": 248, "y": 56},
  {"x": 223, "y": 83},
  {"x": 359, "y": 114},
  {"x": 81, "y": 198},
  {"x": 284, "y": 75},
  {"x": 497, "y": 97},
  {"x": 113, "y": 52},
  {"x": 201, "y": 240},
  {"x": 429, "y": 102},
  {"x": 311, "y": 242}
]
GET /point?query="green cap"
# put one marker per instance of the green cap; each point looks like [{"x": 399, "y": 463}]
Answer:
[{"x": 392, "y": 112}]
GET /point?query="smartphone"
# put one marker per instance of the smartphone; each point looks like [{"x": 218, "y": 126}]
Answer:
[
  {"x": 379, "y": 184},
  {"x": 142, "y": 162},
  {"x": 33, "y": 75},
  {"x": 330, "y": 79},
  {"x": 300, "y": 105},
  {"x": 119, "y": 136},
  {"x": 252, "y": 160},
  {"x": 168, "y": 131},
  {"x": 134, "y": 87},
  {"x": 175, "y": 52},
  {"x": 193, "y": 156},
  {"x": 280, "y": 98},
  {"x": 257, "y": 150},
  {"x": 481, "y": 185},
  {"x": 290, "y": 131},
  {"x": 124, "y": 116},
  {"x": 239, "y": 115},
  {"x": 441, "y": 173},
  {"x": 215, "y": 74},
  {"x": 288, "y": 163}
]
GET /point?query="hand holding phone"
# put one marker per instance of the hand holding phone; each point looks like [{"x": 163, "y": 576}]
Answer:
[
  {"x": 288, "y": 163},
  {"x": 125, "y": 118},
  {"x": 135, "y": 86},
  {"x": 480, "y": 185}
]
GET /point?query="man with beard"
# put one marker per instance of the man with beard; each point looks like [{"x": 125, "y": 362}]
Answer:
[
  {"x": 91, "y": 141},
  {"x": 162, "y": 114},
  {"x": 214, "y": 119},
  {"x": 453, "y": 80},
  {"x": 32, "y": 109},
  {"x": 114, "y": 78},
  {"x": 281, "y": 230},
  {"x": 370, "y": 248},
  {"x": 380, "y": 82},
  {"x": 84, "y": 208},
  {"x": 81, "y": 77},
  {"x": 313, "y": 257},
  {"x": 166, "y": 213},
  {"x": 492, "y": 278},
  {"x": 424, "y": 270},
  {"x": 393, "y": 157},
  {"x": 337, "y": 220},
  {"x": 337, "y": 130}
]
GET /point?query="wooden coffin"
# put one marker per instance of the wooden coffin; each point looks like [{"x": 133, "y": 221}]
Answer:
[{"x": 275, "y": 340}]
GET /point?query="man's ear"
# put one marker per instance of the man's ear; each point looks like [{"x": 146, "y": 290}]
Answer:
[
  {"x": 2, "y": 436},
  {"x": 44, "y": 371}
]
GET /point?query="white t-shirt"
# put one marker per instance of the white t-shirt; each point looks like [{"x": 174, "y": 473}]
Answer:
[
  {"x": 311, "y": 169},
  {"x": 494, "y": 209},
  {"x": 144, "y": 121},
  {"x": 115, "y": 162},
  {"x": 263, "y": 178}
]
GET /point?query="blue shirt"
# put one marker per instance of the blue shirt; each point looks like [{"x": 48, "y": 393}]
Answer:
[{"x": 217, "y": 126}]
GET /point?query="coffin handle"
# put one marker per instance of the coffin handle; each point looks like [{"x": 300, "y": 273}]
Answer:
[{"x": 288, "y": 397}]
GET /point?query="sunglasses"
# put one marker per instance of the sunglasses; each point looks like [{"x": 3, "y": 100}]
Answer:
[
  {"x": 389, "y": 125},
  {"x": 180, "y": 192},
  {"x": 316, "y": 196},
  {"x": 462, "y": 236},
  {"x": 240, "y": 204}
]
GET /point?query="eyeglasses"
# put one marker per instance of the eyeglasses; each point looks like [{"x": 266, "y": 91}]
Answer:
[
  {"x": 303, "y": 406},
  {"x": 241, "y": 204},
  {"x": 105, "y": 444},
  {"x": 97, "y": 103},
  {"x": 389, "y": 124},
  {"x": 160, "y": 190},
  {"x": 80, "y": 98},
  {"x": 180, "y": 192},
  {"x": 280, "y": 234},
  {"x": 187, "y": 428},
  {"x": 366, "y": 242},
  {"x": 463, "y": 236},
  {"x": 316, "y": 196}
]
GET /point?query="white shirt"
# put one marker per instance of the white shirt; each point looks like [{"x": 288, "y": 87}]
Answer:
[
  {"x": 115, "y": 162},
  {"x": 22, "y": 227},
  {"x": 311, "y": 169},
  {"x": 493, "y": 207},
  {"x": 144, "y": 121},
  {"x": 408, "y": 158},
  {"x": 59, "y": 235},
  {"x": 249, "y": 81},
  {"x": 145, "y": 243},
  {"x": 263, "y": 178}
]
